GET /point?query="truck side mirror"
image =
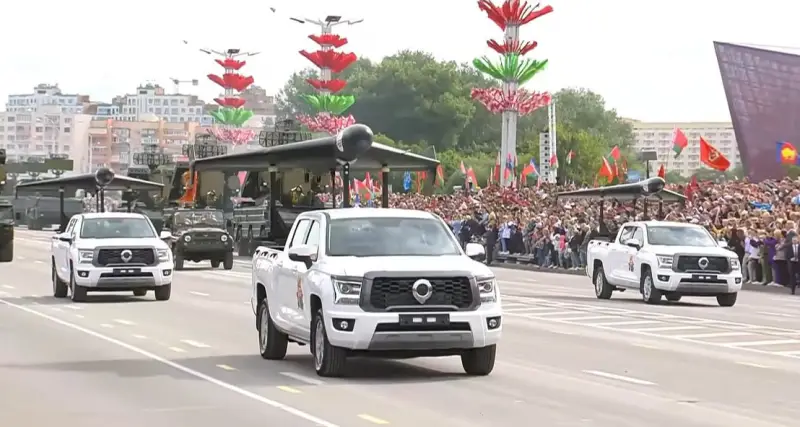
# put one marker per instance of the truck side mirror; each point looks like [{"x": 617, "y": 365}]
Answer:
[
  {"x": 634, "y": 243},
  {"x": 307, "y": 254},
  {"x": 475, "y": 251}
]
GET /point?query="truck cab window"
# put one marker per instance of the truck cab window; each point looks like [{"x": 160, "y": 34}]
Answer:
[
  {"x": 626, "y": 234},
  {"x": 313, "y": 234},
  {"x": 638, "y": 234},
  {"x": 299, "y": 233}
]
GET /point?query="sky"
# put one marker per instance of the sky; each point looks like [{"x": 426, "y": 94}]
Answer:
[{"x": 651, "y": 61}]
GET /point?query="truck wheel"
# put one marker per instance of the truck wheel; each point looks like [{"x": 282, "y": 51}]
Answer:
[
  {"x": 60, "y": 288},
  {"x": 214, "y": 263},
  {"x": 228, "y": 262},
  {"x": 139, "y": 292},
  {"x": 727, "y": 300},
  {"x": 673, "y": 297},
  {"x": 601, "y": 287},
  {"x": 178, "y": 262},
  {"x": 163, "y": 292},
  {"x": 650, "y": 294},
  {"x": 272, "y": 343},
  {"x": 479, "y": 361},
  {"x": 329, "y": 361},
  {"x": 78, "y": 291}
]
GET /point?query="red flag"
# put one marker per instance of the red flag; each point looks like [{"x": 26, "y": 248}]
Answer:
[
  {"x": 495, "y": 175},
  {"x": 440, "y": 175},
  {"x": 463, "y": 169},
  {"x": 554, "y": 161},
  {"x": 662, "y": 172},
  {"x": 691, "y": 188},
  {"x": 679, "y": 141},
  {"x": 712, "y": 158},
  {"x": 614, "y": 154},
  {"x": 606, "y": 171}
]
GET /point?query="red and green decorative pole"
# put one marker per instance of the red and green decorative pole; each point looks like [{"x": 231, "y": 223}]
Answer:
[
  {"x": 512, "y": 71},
  {"x": 329, "y": 105},
  {"x": 231, "y": 115}
]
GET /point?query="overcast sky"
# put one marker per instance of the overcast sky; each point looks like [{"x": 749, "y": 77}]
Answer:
[{"x": 651, "y": 60}]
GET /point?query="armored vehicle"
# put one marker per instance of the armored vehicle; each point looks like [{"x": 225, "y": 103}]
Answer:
[
  {"x": 6, "y": 231},
  {"x": 198, "y": 235}
]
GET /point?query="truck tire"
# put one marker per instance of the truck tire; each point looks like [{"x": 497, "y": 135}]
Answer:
[
  {"x": 227, "y": 263},
  {"x": 727, "y": 300},
  {"x": 214, "y": 263},
  {"x": 650, "y": 295},
  {"x": 60, "y": 289},
  {"x": 178, "y": 262},
  {"x": 479, "y": 361},
  {"x": 329, "y": 361},
  {"x": 163, "y": 292},
  {"x": 272, "y": 343},
  {"x": 602, "y": 289},
  {"x": 78, "y": 291}
]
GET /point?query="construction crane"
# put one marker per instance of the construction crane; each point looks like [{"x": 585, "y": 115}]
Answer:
[{"x": 178, "y": 82}]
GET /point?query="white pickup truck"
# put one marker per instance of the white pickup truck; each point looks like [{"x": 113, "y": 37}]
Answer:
[
  {"x": 109, "y": 252},
  {"x": 376, "y": 282},
  {"x": 664, "y": 258}
]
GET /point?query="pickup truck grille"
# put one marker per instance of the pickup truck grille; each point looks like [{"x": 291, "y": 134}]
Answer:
[
  {"x": 387, "y": 292},
  {"x": 716, "y": 264},
  {"x": 206, "y": 237},
  {"x": 114, "y": 256}
]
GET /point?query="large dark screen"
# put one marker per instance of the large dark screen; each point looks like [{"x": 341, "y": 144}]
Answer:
[{"x": 763, "y": 92}]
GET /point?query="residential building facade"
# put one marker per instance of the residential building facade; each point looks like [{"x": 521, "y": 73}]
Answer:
[
  {"x": 658, "y": 136},
  {"x": 33, "y": 135},
  {"x": 47, "y": 96},
  {"x": 151, "y": 99}
]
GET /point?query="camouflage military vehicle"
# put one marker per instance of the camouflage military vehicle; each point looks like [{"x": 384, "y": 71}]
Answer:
[{"x": 198, "y": 235}]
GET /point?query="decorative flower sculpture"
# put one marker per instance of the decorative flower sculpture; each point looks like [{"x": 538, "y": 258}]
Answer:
[
  {"x": 231, "y": 64},
  {"x": 512, "y": 47},
  {"x": 231, "y": 112},
  {"x": 510, "y": 68},
  {"x": 235, "y": 136},
  {"x": 230, "y": 102},
  {"x": 334, "y": 104},
  {"x": 232, "y": 116},
  {"x": 512, "y": 12},
  {"x": 325, "y": 122},
  {"x": 330, "y": 59},
  {"x": 496, "y": 100},
  {"x": 332, "y": 86},
  {"x": 329, "y": 40}
]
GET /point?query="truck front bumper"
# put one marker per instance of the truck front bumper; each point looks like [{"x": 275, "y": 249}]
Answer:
[
  {"x": 383, "y": 331},
  {"x": 112, "y": 279},
  {"x": 694, "y": 284}
]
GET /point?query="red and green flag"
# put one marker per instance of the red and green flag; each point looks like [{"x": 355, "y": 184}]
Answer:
[{"x": 679, "y": 141}]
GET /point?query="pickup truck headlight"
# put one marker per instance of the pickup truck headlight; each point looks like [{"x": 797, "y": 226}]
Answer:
[
  {"x": 187, "y": 238},
  {"x": 86, "y": 256},
  {"x": 487, "y": 286},
  {"x": 224, "y": 238},
  {"x": 348, "y": 291},
  {"x": 735, "y": 265},
  {"x": 163, "y": 255},
  {"x": 664, "y": 261}
]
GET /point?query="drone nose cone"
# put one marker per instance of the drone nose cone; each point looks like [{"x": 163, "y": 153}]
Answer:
[
  {"x": 104, "y": 176},
  {"x": 353, "y": 141},
  {"x": 653, "y": 185}
]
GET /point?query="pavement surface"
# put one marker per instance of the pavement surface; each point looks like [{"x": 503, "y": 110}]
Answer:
[{"x": 566, "y": 359}]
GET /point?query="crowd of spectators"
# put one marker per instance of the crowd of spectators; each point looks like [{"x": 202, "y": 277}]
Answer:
[{"x": 758, "y": 221}]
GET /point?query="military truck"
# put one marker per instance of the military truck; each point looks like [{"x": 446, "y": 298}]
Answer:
[
  {"x": 6, "y": 217},
  {"x": 198, "y": 235}
]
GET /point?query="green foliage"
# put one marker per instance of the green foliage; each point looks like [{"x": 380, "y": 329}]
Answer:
[
  {"x": 414, "y": 102},
  {"x": 231, "y": 116},
  {"x": 511, "y": 68},
  {"x": 334, "y": 104}
]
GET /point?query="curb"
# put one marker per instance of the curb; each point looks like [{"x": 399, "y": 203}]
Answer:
[{"x": 537, "y": 269}]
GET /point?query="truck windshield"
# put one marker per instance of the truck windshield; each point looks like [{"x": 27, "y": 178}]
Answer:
[
  {"x": 6, "y": 213},
  {"x": 364, "y": 237},
  {"x": 116, "y": 228},
  {"x": 679, "y": 236},
  {"x": 199, "y": 218}
]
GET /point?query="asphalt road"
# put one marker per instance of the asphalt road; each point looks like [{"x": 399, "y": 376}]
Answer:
[{"x": 566, "y": 359}]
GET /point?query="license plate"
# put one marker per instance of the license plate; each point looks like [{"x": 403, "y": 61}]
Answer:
[
  {"x": 704, "y": 277},
  {"x": 424, "y": 319},
  {"x": 127, "y": 270}
]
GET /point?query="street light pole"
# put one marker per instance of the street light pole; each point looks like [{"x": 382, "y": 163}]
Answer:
[{"x": 326, "y": 27}]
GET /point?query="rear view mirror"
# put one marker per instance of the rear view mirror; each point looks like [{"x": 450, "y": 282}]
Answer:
[
  {"x": 306, "y": 254},
  {"x": 165, "y": 235},
  {"x": 633, "y": 243},
  {"x": 475, "y": 251}
]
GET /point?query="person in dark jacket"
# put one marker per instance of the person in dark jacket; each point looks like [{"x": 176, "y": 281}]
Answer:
[{"x": 491, "y": 241}]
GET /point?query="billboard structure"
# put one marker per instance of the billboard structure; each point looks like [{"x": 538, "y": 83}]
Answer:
[{"x": 763, "y": 92}]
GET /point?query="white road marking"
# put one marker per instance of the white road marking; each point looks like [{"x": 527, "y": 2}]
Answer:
[
  {"x": 303, "y": 378},
  {"x": 73, "y": 307},
  {"x": 177, "y": 350},
  {"x": 200, "y": 294},
  {"x": 543, "y": 315},
  {"x": 56, "y": 309},
  {"x": 8, "y": 286},
  {"x": 715, "y": 335},
  {"x": 39, "y": 262},
  {"x": 669, "y": 328},
  {"x": 139, "y": 336},
  {"x": 585, "y": 318},
  {"x": 80, "y": 316},
  {"x": 753, "y": 365},
  {"x": 647, "y": 346},
  {"x": 124, "y": 322},
  {"x": 230, "y": 387},
  {"x": 226, "y": 367},
  {"x": 619, "y": 377},
  {"x": 788, "y": 353},
  {"x": 768, "y": 313},
  {"x": 627, "y": 323},
  {"x": 5, "y": 294},
  {"x": 760, "y": 343},
  {"x": 195, "y": 344},
  {"x": 106, "y": 325}
]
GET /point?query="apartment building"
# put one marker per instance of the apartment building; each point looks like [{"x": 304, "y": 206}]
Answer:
[
  {"x": 151, "y": 99},
  {"x": 658, "y": 136},
  {"x": 49, "y": 96},
  {"x": 41, "y": 133}
]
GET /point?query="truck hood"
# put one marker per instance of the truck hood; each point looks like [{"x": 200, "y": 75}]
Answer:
[
  {"x": 358, "y": 266},
  {"x": 691, "y": 250},
  {"x": 122, "y": 243}
]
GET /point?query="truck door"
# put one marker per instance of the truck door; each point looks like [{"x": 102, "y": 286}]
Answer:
[
  {"x": 619, "y": 254},
  {"x": 303, "y": 316},
  {"x": 290, "y": 284},
  {"x": 61, "y": 250},
  {"x": 630, "y": 268}
]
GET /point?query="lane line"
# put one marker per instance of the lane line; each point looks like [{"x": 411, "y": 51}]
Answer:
[
  {"x": 226, "y": 367},
  {"x": 222, "y": 384},
  {"x": 647, "y": 346},
  {"x": 56, "y": 309},
  {"x": 374, "y": 420},
  {"x": 195, "y": 344},
  {"x": 303, "y": 378},
  {"x": 124, "y": 322},
  {"x": 753, "y": 365},
  {"x": 139, "y": 336},
  {"x": 669, "y": 328},
  {"x": 177, "y": 350},
  {"x": 39, "y": 262},
  {"x": 627, "y": 323},
  {"x": 715, "y": 335},
  {"x": 200, "y": 294},
  {"x": 769, "y": 313},
  {"x": 73, "y": 307},
  {"x": 80, "y": 316},
  {"x": 618, "y": 377},
  {"x": 289, "y": 389},
  {"x": 8, "y": 286},
  {"x": 760, "y": 343},
  {"x": 107, "y": 326},
  {"x": 585, "y": 318}
]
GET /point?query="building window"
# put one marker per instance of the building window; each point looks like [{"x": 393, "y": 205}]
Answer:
[
  {"x": 66, "y": 130},
  {"x": 39, "y": 129}
]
